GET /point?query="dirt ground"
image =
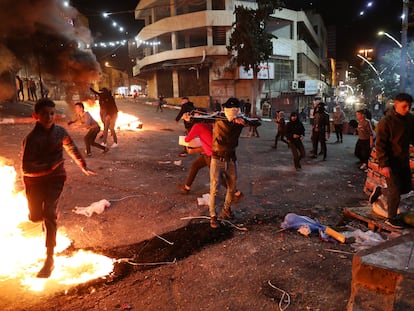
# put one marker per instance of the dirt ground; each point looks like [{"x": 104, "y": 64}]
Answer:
[{"x": 262, "y": 268}]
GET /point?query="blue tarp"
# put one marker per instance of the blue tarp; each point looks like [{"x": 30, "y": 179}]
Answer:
[{"x": 294, "y": 221}]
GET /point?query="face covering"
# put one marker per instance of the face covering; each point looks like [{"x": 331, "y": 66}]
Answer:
[{"x": 231, "y": 113}]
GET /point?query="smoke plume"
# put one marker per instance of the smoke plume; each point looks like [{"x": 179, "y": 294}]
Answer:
[{"x": 44, "y": 37}]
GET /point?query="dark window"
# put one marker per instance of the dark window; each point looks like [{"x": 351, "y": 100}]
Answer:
[
  {"x": 219, "y": 35},
  {"x": 218, "y": 4}
]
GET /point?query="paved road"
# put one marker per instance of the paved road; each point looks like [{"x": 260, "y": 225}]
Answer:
[{"x": 139, "y": 179}]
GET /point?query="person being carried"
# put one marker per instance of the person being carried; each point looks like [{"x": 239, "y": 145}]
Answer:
[
  {"x": 295, "y": 133},
  {"x": 395, "y": 133},
  {"x": 44, "y": 174},
  {"x": 205, "y": 132},
  {"x": 86, "y": 120}
]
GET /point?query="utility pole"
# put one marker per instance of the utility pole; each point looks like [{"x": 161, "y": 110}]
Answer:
[{"x": 403, "y": 64}]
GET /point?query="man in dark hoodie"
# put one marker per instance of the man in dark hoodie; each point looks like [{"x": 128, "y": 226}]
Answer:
[
  {"x": 295, "y": 133},
  {"x": 320, "y": 131},
  {"x": 395, "y": 133}
]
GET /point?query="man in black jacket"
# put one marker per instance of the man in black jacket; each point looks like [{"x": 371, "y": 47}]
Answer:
[
  {"x": 320, "y": 131},
  {"x": 395, "y": 133}
]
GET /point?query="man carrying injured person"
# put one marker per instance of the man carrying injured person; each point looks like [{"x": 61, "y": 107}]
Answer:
[{"x": 223, "y": 160}]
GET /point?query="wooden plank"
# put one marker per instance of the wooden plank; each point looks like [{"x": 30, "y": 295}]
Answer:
[{"x": 365, "y": 214}]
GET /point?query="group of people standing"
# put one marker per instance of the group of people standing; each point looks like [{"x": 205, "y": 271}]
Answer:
[
  {"x": 292, "y": 133},
  {"x": 31, "y": 89}
]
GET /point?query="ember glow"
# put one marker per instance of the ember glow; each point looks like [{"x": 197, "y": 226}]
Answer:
[
  {"x": 125, "y": 121},
  {"x": 23, "y": 247}
]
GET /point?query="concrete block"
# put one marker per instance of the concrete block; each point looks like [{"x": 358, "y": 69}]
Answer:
[{"x": 383, "y": 277}]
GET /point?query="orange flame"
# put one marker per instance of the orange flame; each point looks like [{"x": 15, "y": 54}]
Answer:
[
  {"x": 23, "y": 246},
  {"x": 125, "y": 121}
]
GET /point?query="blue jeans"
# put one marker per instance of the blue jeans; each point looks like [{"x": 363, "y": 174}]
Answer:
[{"x": 222, "y": 169}]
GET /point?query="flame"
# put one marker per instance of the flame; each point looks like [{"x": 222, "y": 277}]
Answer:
[
  {"x": 125, "y": 121},
  {"x": 23, "y": 246}
]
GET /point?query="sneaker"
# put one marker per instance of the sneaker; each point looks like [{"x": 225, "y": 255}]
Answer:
[
  {"x": 237, "y": 198},
  {"x": 89, "y": 155},
  {"x": 395, "y": 223},
  {"x": 105, "y": 150},
  {"x": 114, "y": 145},
  {"x": 226, "y": 214},
  {"x": 183, "y": 189},
  {"x": 375, "y": 194},
  {"x": 213, "y": 222},
  {"x": 363, "y": 167}
]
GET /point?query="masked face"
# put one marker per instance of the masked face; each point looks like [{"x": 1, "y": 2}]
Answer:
[{"x": 231, "y": 113}]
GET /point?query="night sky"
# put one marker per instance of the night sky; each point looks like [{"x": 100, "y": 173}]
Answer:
[{"x": 353, "y": 31}]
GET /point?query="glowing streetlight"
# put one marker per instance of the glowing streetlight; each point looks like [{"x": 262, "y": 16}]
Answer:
[
  {"x": 383, "y": 33},
  {"x": 370, "y": 65}
]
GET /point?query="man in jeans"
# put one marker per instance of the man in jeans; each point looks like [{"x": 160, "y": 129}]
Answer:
[
  {"x": 395, "y": 133},
  {"x": 204, "y": 131},
  {"x": 226, "y": 134}
]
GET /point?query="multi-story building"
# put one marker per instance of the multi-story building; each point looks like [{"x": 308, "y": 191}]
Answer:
[{"x": 182, "y": 51}]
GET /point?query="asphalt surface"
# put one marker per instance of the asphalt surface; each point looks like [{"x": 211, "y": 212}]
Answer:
[{"x": 139, "y": 179}]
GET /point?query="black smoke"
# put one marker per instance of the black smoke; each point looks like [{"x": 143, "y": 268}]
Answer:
[{"x": 45, "y": 38}]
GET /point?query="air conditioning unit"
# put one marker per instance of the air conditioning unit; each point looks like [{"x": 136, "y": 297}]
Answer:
[{"x": 294, "y": 85}]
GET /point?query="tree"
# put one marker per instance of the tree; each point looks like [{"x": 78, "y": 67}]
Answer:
[
  {"x": 390, "y": 68},
  {"x": 250, "y": 42}
]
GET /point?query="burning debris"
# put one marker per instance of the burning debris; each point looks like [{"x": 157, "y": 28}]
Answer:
[
  {"x": 44, "y": 35},
  {"x": 124, "y": 121},
  {"x": 23, "y": 242}
]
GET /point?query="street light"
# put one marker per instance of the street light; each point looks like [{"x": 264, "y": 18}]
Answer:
[
  {"x": 371, "y": 65},
  {"x": 383, "y": 33}
]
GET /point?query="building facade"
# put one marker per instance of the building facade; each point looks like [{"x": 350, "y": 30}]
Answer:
[{"x": 182, "y": 51}]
